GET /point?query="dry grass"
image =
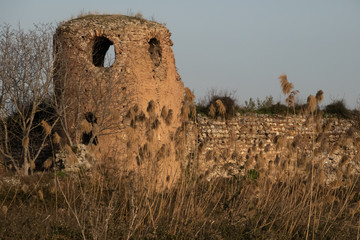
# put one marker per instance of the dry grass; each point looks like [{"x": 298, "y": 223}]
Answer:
[
  {"x": 56, "y": 138},
  {"x": 286, "y": 86},
  {"x": 221, "y": 107},
  {"x": 319, "y": 96},
  {"x": 99, "y": 205},
  {"x": 212, "y": 110},
  {"x": 47, "y": 128},
  {"x": 311, "y": 101}
]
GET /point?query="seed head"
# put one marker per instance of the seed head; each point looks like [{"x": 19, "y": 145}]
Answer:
[
  {"x": 311, "y": 103},
  {"x": 221, "y": 107},
  {"x": 285, "y": 85},
  {"x": 189, "y": 96},
  {"x": 319, "y": 96},
  {"x": 212, "y": 110},
  {"x": 46, "y": 126},
  {"x": 56, "y": 138}
]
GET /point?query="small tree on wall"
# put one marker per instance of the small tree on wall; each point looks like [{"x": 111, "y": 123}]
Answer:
[{"x": 25, "y": 84}]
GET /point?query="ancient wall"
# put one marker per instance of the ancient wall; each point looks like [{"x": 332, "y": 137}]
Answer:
[
  {"x": 118, "y": 108},
  {"x": 263, "y": 142}
]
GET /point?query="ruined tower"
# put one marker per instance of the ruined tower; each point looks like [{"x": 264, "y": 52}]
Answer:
[{"x": 129, "y": 107}]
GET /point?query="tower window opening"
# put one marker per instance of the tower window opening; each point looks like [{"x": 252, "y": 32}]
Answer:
[
  {"x": 103, "y": 52},
  {"x": 155, "y": 51}
]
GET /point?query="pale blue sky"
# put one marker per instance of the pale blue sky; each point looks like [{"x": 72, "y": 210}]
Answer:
[{"x": 239, "y": 45}]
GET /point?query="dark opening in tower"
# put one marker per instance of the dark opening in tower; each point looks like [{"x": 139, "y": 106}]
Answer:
[
  {"x": 103, "y": 52},
  {"x": 155, "y": 51}
]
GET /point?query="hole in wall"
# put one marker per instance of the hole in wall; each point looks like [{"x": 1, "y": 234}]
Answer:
[
  {"x": 155, "y": 51},
  {"x": 103, "y": 52},
  {"x": 86, "y": 137}
]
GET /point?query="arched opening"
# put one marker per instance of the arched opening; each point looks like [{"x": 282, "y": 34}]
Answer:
[
  {"x": 155, "y": 51},
  {"x": 103, "y": 53}
]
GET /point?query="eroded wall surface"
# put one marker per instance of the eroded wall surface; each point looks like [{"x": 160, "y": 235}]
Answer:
[{"x": 286, "y": 144}]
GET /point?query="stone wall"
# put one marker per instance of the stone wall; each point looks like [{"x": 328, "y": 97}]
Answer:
[{"x": 263, "y": 142}]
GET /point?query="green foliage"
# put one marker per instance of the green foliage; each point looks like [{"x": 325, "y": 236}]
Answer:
[
  {"x": 61, "y": 174},
  {"x": 258, "y": 105},
  {"x": 253, "y": 174},
  {"x": 277, "y": 108},
  {"x": 250, "y": 106}
]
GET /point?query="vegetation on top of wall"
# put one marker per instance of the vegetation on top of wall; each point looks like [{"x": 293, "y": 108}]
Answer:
[
  {"x": 218, "y": 104},
  {"x": 108, "y": 18},
  {"x": 267, "y": 106},
  {"x": 338, "y": 109}
]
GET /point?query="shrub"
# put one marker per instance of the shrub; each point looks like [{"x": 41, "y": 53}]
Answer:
[
  {"x": 277, "y": 108},
  {"x": 212, "y": 99},
  {"x": 338, "y": 108},
  {"x": 227, "y": 101}
]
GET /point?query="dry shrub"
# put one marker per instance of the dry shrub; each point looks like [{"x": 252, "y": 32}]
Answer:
[
  {"x": 227, "y": 98},
  {"x": 338, "y": 109},
  {"x": 225, "y": 106}
]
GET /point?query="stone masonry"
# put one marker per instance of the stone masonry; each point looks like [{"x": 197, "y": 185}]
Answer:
[
  {"x": 257, "y": 141},
  {"x": 119, "y": 108}
]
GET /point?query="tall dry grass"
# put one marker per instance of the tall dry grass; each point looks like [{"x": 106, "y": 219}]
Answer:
[{"x": 98, "y": 205}]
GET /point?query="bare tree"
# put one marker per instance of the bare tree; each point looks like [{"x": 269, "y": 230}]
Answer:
[{"x": 25, "y": 84}]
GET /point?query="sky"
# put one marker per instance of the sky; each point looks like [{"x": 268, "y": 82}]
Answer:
[{"x": 241, "y": 46}]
